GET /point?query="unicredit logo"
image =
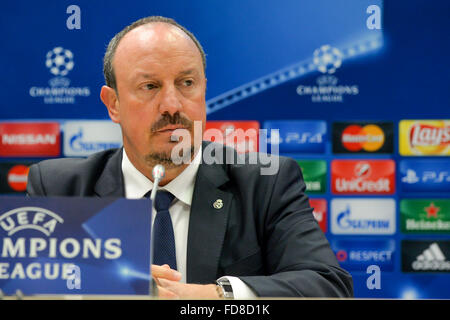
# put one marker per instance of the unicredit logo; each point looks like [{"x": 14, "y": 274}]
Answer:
[
  {"x": 363, "y": 177},
  {"x": 30, "y": 139}
]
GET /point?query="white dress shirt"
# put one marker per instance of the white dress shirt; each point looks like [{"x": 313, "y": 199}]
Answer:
[{"x": 182, "y": 187}]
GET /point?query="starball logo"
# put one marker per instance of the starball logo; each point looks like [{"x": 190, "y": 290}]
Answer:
[
  {"x": 60, "y": 62},
  {"x": 327, "y": 60}
]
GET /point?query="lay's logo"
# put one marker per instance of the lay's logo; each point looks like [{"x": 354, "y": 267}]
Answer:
[{"x": 424, "y": 137}]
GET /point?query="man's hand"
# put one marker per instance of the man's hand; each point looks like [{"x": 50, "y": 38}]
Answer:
[
  {"x": 179, "y": 290},
  {"x": 170, "y": 287}
]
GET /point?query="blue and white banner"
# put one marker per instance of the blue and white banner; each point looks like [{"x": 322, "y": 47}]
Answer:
[
  {"x": 363, "y": 216},
  {"x": 71, "y": 245},
  {"x": 358, "y": 255},
  {"x": 83, "y": 138},
  {"x": 425, "y": 175},
  {"x": 300, "y": 136}
]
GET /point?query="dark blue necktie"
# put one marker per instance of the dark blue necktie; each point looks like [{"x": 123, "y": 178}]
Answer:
[{"x": 163, "y": 236}]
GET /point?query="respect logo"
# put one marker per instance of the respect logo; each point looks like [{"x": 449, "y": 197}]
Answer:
[{"x": 424, "y": 137}]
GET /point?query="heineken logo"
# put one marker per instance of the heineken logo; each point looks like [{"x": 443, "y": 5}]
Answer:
[{"x": 425, "y": 215}]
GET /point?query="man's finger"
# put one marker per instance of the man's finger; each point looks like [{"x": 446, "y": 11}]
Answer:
[{"x": 164, "y": 272}]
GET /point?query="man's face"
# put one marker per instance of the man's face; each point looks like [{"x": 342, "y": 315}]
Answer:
[{"x": 161, "y": 87}]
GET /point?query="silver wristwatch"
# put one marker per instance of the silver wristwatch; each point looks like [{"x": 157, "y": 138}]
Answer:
[{"x": 226, "y": 288}]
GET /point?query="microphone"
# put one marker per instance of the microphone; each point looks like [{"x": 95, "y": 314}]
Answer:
[{"x": 158, "y": 173}]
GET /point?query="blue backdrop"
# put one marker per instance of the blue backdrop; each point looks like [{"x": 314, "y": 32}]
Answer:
[{"x": 266, "y": 60}]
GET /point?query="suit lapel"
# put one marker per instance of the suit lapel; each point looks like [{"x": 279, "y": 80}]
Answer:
[
  {"x": 110, "y": 182},
  {"x": 207, "y": 224}
]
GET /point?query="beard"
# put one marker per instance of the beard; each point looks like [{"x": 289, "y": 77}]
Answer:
[{"x": 167, "y": 158}]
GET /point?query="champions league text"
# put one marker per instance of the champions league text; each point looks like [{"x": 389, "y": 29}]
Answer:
[
  {"x": 68, "y": 248},
  {"x": 46, "y": 248}
]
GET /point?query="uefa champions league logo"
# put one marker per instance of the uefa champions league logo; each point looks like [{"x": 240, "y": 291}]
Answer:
[
  {"x": 327, "y": 59},
  {"x": 59, "y": 61}
]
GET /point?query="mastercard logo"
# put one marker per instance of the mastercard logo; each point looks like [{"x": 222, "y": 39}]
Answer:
[
  {"x": 369, "y": 138},
  {"x": 18, "y": 177}
]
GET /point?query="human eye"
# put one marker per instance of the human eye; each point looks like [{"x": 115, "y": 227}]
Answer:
[
  {"x": 187, "y": 82},
  {"x": 150, "y": 86}
]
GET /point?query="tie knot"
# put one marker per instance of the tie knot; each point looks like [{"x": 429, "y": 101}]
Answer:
[{"x": 163, "y": 200}]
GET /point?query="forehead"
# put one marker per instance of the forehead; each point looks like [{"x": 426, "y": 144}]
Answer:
[{"x": 156, "y": 45}]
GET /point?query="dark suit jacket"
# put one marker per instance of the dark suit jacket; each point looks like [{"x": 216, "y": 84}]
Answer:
[{"x": 265, "y": 232}]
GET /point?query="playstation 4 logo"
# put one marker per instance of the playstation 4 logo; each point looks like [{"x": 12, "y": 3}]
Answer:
[
  {"x": 425, "y": 175},
  {"x": 411, "y": 177},
  {"x": 301, "y": 136}
]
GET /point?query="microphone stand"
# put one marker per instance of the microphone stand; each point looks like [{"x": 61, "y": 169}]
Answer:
[{"x": 158, "y": 173}]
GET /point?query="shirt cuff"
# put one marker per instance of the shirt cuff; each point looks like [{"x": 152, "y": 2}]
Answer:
[{"x": 240, "y": 289}]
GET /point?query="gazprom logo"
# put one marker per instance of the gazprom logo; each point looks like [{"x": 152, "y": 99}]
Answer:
[
  {"x": 346, "y": 221},
  {"x": 35, "y": 218},
  {"x": 363, "y": 216},
  {"x": 83, "y": 138},
  {"x": 78, "y": 144}
]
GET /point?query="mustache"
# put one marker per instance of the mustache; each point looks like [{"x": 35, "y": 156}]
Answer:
[{"x": 168, "y": 119}]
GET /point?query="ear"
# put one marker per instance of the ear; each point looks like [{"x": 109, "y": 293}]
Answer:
[{"x": 111, "y": 101}]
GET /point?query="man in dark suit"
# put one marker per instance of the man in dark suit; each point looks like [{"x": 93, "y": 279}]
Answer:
[{"x": 252, "y": 233}]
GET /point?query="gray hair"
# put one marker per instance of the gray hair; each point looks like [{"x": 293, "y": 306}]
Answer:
[{"x": 108, "y": 69}]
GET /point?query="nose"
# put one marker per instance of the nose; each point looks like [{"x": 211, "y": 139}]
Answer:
[{"x": 170, "y": 101}]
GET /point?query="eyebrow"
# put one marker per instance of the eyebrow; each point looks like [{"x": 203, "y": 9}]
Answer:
[
  {"x": 187, "y": 72},
  {"x": 151, "y": 75}
]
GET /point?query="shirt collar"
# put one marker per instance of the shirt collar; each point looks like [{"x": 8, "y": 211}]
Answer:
[{"x": 182, "y": 187}]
